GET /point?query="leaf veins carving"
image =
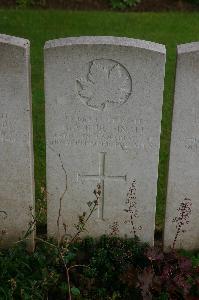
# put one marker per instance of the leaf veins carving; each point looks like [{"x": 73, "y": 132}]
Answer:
[{"x": 107, "y": 83}]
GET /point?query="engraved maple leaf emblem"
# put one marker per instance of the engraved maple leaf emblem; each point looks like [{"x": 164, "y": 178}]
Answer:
[{"x": 107, "y": 83}]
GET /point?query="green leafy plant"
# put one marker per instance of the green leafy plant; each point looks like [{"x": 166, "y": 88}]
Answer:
[
  {"x": 110, "y": 260},
  {"x": 17, "y": 285},
  {"x": 106, "y": 268},
  {"x": 28, "y": 276},
  {"x": 122, "y": 4}
]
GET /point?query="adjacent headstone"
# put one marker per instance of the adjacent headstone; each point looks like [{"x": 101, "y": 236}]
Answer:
[
  {"x": 103, "y": 115},
  {"x": 182, "y": 210},
  {"x": 16, "y": 153}
]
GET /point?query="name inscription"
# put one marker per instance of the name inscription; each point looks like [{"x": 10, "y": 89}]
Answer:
[{"x": 91, "y": 131}]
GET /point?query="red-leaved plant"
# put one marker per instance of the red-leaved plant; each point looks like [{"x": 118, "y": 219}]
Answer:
[{"x": 168, "y": 274}]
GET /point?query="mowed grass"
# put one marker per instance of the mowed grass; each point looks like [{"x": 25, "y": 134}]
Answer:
[{"x": 39, "y": 26}]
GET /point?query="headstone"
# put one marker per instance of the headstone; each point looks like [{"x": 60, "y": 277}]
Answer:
[
  {"x": 103, "y": 115},
  {"x": 182, "y": 210},
  {"x": 16, "y": 153}
]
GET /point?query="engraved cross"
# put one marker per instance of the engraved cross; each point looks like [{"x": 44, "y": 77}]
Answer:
[{"x": 101, "y": 177}]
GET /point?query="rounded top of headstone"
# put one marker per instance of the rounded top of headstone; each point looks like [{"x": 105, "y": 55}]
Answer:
[
  {"x": 15, "y": 41},
  {"x": 106, "y": 40},
  {"x": 188, "y": 48}
]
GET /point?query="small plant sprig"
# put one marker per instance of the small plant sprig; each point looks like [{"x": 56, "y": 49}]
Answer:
[
  {"x": 131, "y": 201},
  {"x": 114, "y": 229},
  {"x": 64, "y": 252},
  {"x": 182, "y": 219},
  {"x": 63, "y": 245},
  {"x": 32, "y": 225},
  {"x": 84, "y": 218}
]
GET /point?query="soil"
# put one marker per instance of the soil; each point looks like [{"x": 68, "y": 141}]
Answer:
[{"x": 145, "y": 5}]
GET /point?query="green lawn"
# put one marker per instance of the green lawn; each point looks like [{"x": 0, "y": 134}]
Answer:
[{"x": 39, "y": 26}]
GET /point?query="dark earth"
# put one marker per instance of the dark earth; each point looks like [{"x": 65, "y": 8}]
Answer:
[{"x": 145, "y": 5}]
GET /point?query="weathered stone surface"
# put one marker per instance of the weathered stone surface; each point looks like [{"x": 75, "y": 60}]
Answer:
[
  {"x": 103, "y": 115},
  {"x": 182, "y": 211},
  {"x": 16, "y": 153}
]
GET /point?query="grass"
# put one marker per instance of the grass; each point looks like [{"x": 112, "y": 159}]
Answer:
[{"x": 39, "y": 26}]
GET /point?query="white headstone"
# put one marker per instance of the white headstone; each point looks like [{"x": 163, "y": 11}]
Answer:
[
  {"x": 103, "y": 115},
  {"x": 16, "y": 153},
  {"x": 182, "y": 210}
]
